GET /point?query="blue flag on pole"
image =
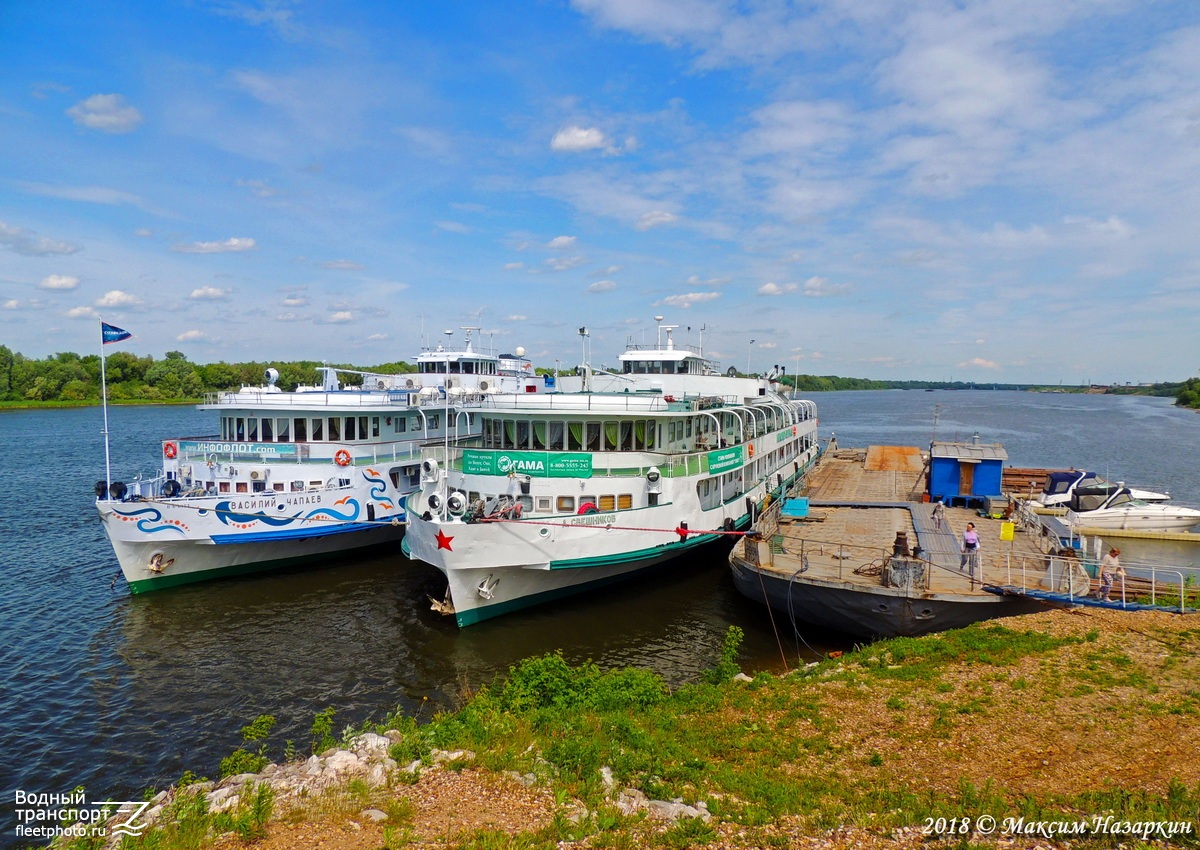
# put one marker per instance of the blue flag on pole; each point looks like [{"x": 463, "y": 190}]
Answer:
[{"x": 111, "y": 333}]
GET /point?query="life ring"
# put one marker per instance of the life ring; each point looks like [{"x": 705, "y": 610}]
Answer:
[
  {"x": 342, "y": 457},
  {"x": 170, "y": 450},
  {"x": 750, "y": 449},
  {"x": 588, "y": 508}
]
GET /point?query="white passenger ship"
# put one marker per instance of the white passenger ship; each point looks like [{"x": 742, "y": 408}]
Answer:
[
  {"x": 567, "y": 491},
  {"x": 297, "y": 476}
]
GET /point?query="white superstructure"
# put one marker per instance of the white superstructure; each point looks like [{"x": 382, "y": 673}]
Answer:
[
  {"x": 295, "y": 476},
  {"x": 566, "y": 491}
]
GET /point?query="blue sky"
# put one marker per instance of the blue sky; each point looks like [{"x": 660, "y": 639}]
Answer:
[{"x": 988, "y": 191}]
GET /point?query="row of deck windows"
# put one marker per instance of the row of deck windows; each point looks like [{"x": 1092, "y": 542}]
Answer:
[
  {"x": 459, "y": 367},
  {"x": 403, "y": 478},
  {"x": 565, "y": 504},
  {"x": 315, "y": 429},
  {"x": 689, "y": 433},
  {"x": 657, "y": 367}
]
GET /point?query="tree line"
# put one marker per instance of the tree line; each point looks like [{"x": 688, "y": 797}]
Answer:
[
  {"x": 1189, "y": 394},
  {"x": 68, "y": 378},
  {"x": 74, "y": 379}
]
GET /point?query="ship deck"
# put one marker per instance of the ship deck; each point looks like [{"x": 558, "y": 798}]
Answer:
[{"x": 859, "y": 501}]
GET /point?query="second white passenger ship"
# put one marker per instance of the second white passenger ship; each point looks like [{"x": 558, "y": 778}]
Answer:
[{"x": 566, "y": 491}]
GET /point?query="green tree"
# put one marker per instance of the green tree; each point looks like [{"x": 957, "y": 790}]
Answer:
[
  {"x": 1189, "y": 394},
  {"x": 220, "y": 376},
  {"x": 6, "y": 369},
  {"x": 174, "y": 378}
]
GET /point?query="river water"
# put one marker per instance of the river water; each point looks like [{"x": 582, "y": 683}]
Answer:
[{"x": 120, "y": 693}]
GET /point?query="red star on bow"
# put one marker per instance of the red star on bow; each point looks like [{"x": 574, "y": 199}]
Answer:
[{"x": 443, "y": 541}]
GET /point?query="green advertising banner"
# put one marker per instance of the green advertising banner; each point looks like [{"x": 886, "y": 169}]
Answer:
[
  {"x": 533, "y": 464},
  {"x": 723, "y": 460}
]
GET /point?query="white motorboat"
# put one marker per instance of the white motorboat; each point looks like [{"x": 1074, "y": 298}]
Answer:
[
  {"x": 298, "y": 475},
  {"x": 568, "y": 491},
  {"x": 1117, "y": 508},
  {"x": 1061, "y": 485}
]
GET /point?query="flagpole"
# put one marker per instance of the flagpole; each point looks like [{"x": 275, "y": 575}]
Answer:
[{"x": 104, "y": 402}]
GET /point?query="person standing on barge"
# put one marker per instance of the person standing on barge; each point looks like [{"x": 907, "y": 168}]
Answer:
[{"x": 970, "y": 550}]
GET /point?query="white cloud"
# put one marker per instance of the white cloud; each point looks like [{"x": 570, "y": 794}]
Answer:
[
  {"x": 512, "y": 267},
  {"x": 295, "y": 301},
  {"x": 117, "y": 298},
  {"x": 453, "y": 226},
  {"x": 671, "y": 21},
  {"x": 819, "y": 287},
  {"x": 979, "y": 363},
  {"x": 776, "y": 289},
  {"x": 272, "y": 15},
  {"x": 689, "y": 299},
  {"x": 377, "y": 337},
  {"x": 341, "y": 317},
  {"x": 191, "y": 336},
  {"x": 109, "y": 113},
  {"x": 577, "y": 139},
  {"x": 233, "y": 244},
  {"x": 801, "y": 128},
  {"x": 516, "y": 317},
  {"x": 40, "y": 90},
  {"x": 91, "y": 195},
  {"x": 210, "y": 293},
  {"x": 562, "y": 264},
  {"x": 656, "y": 218},
  {"x": 602, "y": 286},
  {"x": 12, "y": 304},
  {"x": 59, "y": 282},
  {"x": 343, "y": 265},
  {"x": 560, "y": 242},
  {"x": 1112, "y": 226},
  {"x": 21, "y": 241},
  {"x": 81, "y": 313},
  {"x": 143, "y": 232},
  {"x": 288, "y": 317}
]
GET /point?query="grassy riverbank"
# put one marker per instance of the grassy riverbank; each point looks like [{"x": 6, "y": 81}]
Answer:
[{"x": 1057, "y": 718}]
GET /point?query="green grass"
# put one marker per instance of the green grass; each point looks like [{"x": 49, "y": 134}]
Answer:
[{"x": 767, "y": 750}]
